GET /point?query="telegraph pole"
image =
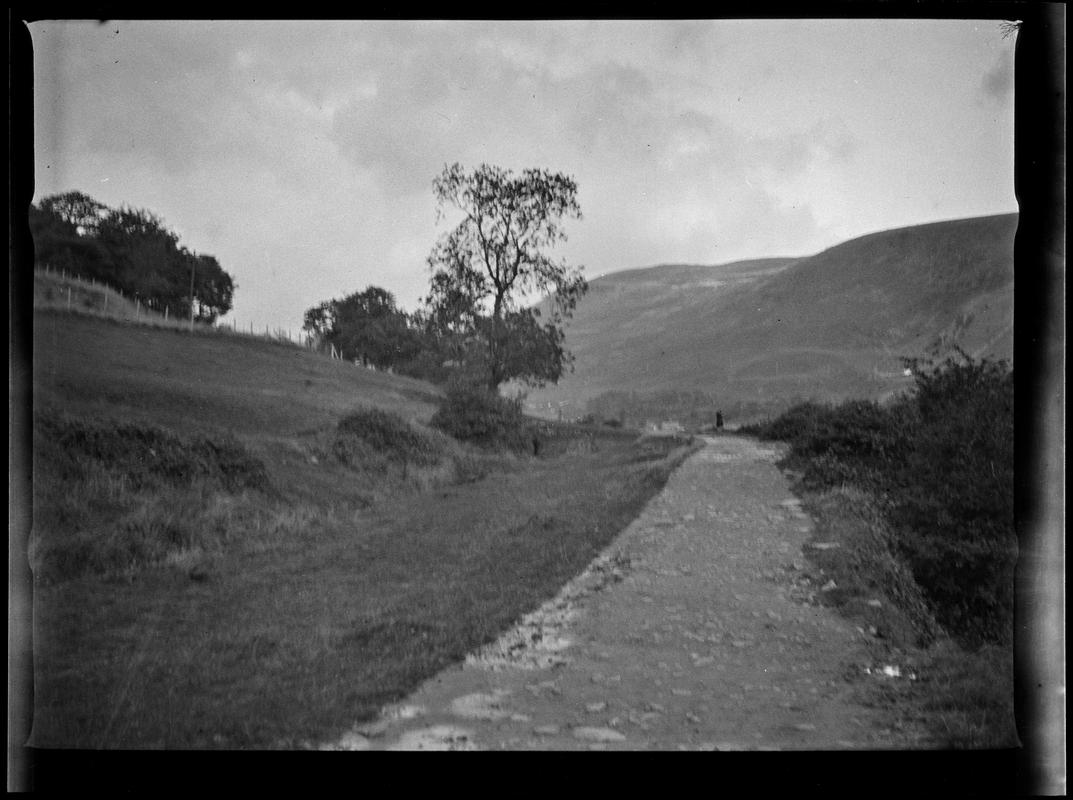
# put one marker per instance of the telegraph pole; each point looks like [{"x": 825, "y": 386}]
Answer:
[{"x": 193, "y": 263}]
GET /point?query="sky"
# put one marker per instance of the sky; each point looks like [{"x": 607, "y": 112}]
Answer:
[{"x": 302, "y": 153}]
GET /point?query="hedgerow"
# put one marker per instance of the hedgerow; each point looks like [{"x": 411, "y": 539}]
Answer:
[{"x": 941, "y": 460}]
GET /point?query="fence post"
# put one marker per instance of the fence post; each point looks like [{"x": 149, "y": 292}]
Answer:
[{"x": 68, "y": 298}]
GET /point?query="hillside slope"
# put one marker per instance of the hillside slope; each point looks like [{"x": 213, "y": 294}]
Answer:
[
  {"x": 213, "y": 382},
  {"x": 830, "y": 326},
  {"x": 225, "y": 547}
]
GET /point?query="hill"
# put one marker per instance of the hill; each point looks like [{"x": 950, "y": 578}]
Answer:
[{"x": 760, "y": 334}]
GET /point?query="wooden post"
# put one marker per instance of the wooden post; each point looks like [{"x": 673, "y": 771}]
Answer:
[
  {"x": 165, "y": 313},
  {"x": 68, "y": 298}
]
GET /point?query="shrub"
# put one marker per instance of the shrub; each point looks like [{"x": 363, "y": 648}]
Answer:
[
  {"x": 146, "y": 455},
  {"x": 860, "y": 432},
  {"x": 472, "y": 413},
  {"x": 386, "y": 434},
  {"x": 792, "y": 427},
  {"x": 112, "y": 498},
  {"x": 954, "y": 511},
  {"x": 942, "y": 461}
]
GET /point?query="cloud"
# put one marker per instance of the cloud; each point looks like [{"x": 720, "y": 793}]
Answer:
[
  {"x": 435, "y": 101},
  {"x": 169, "y": 94},
  {"x": 470, "y": 100},
  {"x": 302, "y": 154},
  {"x": 828, "y": 140}
]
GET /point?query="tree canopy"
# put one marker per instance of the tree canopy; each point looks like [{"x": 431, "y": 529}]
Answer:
[
  {"x": 131, "y": 250},
  {"x": 493, "y": 259},
  {"x": 366, "y": 326}
]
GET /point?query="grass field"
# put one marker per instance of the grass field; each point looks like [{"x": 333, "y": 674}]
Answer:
[{"x": 228, "y": 553}]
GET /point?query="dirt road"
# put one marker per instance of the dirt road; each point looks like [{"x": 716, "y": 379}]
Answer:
[{"x": 697, "y": 629}]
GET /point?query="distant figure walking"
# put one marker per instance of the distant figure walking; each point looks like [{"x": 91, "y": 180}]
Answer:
[{"x": 719, "y": 420}]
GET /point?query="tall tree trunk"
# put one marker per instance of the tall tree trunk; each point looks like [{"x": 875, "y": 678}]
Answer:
[{"x": 495, "y": 341}]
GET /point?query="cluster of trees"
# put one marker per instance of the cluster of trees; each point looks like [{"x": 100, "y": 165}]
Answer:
[
  {"x": 130, "y": 250},
  {"x": 370, "y": 328},
  {"x": 473, "y": 324}
]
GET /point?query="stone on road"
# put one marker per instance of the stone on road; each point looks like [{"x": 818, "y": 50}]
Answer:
[{"x": 691, "y": 631}]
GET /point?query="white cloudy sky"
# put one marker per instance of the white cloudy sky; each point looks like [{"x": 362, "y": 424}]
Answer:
[{"x": 301, "y": 154}]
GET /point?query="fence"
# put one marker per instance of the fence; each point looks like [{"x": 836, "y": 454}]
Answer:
[{"x": 150, "y": 313}]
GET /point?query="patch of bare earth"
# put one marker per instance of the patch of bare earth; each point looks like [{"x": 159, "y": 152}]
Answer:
[{"x": 698, "y": 629}]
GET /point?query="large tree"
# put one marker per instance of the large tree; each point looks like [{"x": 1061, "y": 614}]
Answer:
[
  {"x": 214, "y": 289},
  {"x": 493, "y": 260}
]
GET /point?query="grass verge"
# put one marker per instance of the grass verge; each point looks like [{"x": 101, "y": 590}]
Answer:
[{"x": 962, "y": 696}]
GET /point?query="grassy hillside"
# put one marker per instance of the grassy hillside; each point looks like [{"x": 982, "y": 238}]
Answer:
[
  {"x": 638, "y": 302},
  {"x": 830, "y": 326},
  {"x": 213, "y": 382},
  {"x": 238, "y": 543},
  {"x": 58, "y": 291}
]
